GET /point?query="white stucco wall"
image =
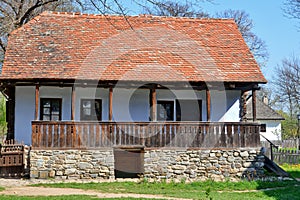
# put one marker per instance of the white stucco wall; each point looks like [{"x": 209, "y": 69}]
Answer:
[
  {"x": 24, "y": 113},
  {"x": 91, "y": 93},
  {"x": 273, "y": 130},
  {"x": 128, "y": 104},
  {"x": 131, "y": 105},
  {"x": 225, "y": 106},
  {"x": 25, "y": 107}
]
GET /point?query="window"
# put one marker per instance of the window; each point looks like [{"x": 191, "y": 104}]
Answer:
[
  {"x": 91, "y": 109},
  {"x": 263, "y": 128},
  {"x": 188, "y": 110},
  {"x": 50, "y": 109},
  {"x": 165, "y": 110}
]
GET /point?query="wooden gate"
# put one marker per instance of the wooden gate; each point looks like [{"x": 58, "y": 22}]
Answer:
[
  {"x": 11, "y": 159},
  {"x": 129, "y": 162}
]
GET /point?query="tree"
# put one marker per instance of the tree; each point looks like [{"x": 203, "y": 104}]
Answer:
[
  {"x": 245, "y": 24},
  {"x": 175, "y": 9},
  {"x": 289, "y": 126},
  {"x": 2, "y": 116},
  {"x": 15, "y": 13},
  {"x": 292, "y": 8},
  {"x": 287, "y": 84}
]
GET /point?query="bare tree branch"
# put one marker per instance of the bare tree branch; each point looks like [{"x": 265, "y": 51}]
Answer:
[
  {"x": 175, "y": 9},
  {"x": 287, "y": 84},
  {"x": 28, "y": 13},
  {"x": 292, "y": 8}
]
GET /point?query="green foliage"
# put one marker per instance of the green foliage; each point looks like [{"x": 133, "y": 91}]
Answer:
[
  {"x": 285, "y": 149},
  {"x": 289, "y": 126},
  {"x": 3, "y": 124}
]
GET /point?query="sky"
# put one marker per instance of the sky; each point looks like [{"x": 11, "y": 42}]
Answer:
[{"x": 279, "y": 32}]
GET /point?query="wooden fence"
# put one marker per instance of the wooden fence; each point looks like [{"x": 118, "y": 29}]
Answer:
[
  {"x": 286, "y": 156},
  {"x": 11, "y": 159},
  {"x": 149, "y": 134}
]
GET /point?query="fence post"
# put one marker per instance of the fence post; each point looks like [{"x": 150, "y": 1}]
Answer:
[{"x": 271, "y": 146}]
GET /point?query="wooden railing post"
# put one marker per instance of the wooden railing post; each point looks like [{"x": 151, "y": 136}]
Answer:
[
  {"x": 37, "y": 94},
  {"x": 208, "y": 104},
  {"x": 73, "y": 104},
  {"x": 153, "y": 106},
  {"x": 254, "y": 105},
  {"x": 110, "y": 104},
  {"x": 156, "y": 134}
]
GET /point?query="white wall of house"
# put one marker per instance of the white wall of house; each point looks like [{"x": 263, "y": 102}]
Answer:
[
  {"x": 24, "y": 113},
  {"x": 131, "y": 105},
  {"x": 273, "y": 129},
  {"x": 91, "y": 93},
  {"x": 225, "y": 106},
  {"x": 128, "y": 104},
  {"x": 25, "y": 107}
]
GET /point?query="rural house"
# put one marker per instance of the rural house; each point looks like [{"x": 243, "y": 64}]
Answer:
[
  {"x": 112, "y": 96},
  {"x": 269, "y": 119}
]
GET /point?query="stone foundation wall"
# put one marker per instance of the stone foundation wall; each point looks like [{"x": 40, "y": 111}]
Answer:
[
  {"x": 175, "y": 164},
  {"x": 72, "y": 164},
  {"x": 203, "y": 164}
]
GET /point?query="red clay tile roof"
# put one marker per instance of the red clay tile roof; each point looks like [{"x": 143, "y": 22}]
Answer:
[{"x": 143, "y": 48}]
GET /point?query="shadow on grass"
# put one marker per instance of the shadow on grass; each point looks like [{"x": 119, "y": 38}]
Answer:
[{"x": 294, "y": 174}]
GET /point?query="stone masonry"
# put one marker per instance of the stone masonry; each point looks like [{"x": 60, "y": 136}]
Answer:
[
  {"x": 72, "y": 164},
  {"x": 203, "y": 164},
  {"x": 169, "y": 164}
]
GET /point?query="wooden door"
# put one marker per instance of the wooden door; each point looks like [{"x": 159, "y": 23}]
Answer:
[{"x": 129, "y": 163}]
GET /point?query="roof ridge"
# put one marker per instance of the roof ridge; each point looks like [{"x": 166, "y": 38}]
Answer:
[{"x": 80, "y": 14}]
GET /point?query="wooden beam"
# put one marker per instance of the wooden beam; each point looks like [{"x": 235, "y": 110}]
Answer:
[
  {"x": 254, "y": 105},
  {"x": 73, "y": 103},
  {"x": 153, "y": 105},
  {"x": 243, "y": 106},
  {"x": 110, "y": 105},
  {"x": 208, "y": 104},
  {"x": 37, "y": 96},
  {"x": 10, "y": 114}
]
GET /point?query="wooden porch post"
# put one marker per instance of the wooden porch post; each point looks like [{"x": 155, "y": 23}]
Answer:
[
  {"x": 208, "y": 104},
  {"x": 73, "y": 103},
  {"x": 110, "y": 105},
  {"x": 243, "y": 107},
  {"x": 37, "y": 95},
  {"x": 153, "y": 105},
  {"x": 254, "y": 104},
  {"x": 10, "y": 113}
]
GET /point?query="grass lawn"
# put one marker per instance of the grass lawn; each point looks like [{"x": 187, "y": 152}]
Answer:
[
  {"x": 293, "y": 170},
  {"x": 208, "y": 190},
  {"x": 197, "y": 190}
]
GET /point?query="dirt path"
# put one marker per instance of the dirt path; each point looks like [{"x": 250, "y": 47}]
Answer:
[
  {"x": 22, "y": 188},
  {"x": 42, "y": 191}
]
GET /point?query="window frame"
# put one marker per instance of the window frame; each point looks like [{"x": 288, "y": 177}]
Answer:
[
  {"x": 92, "y": 117},
  {"x": 263, "y": 128},
  {"x": 178, "y": 110},
  {"x": 51, "y": 107},
  {"x": 173, "y": 110}
]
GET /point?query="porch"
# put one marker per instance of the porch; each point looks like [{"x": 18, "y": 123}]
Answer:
[{"x": 89, "y": 135}]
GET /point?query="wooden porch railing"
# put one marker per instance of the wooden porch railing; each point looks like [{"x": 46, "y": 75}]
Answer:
[{"x": 68, "y": 135}]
